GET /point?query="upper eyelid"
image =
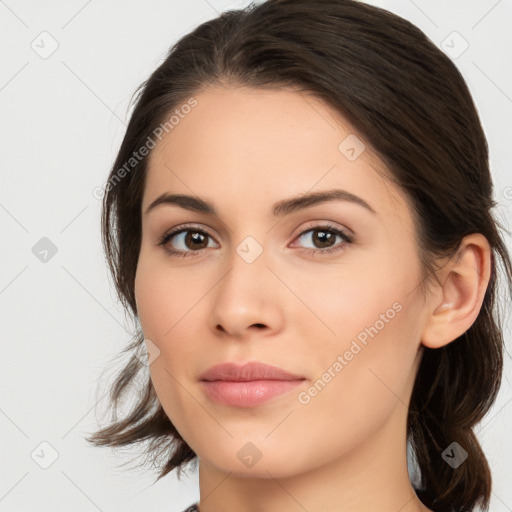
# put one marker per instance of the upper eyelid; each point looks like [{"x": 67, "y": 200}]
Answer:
[{"x": 186, "y": 227}]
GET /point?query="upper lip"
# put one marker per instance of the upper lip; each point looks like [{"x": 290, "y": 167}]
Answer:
[{"x": 253, "y": 370}]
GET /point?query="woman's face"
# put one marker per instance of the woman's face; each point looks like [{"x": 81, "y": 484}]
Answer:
[{"x": 282, "y": 289}]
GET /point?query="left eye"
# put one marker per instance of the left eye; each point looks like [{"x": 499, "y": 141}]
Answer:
[{"x": 324, "y": 236}]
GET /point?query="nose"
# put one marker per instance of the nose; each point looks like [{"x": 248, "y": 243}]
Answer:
[{"x": 247, "y": 301}]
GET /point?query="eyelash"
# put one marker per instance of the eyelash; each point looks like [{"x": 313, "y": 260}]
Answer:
[{"x": 347, "y": 239}]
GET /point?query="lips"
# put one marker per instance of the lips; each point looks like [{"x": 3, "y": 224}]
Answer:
[
  {"x": 247, "y": 385},
  {"x": 247, "y": 372}
]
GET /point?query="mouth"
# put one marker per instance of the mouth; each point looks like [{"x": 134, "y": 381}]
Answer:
[{"x": 247, "y": 385}]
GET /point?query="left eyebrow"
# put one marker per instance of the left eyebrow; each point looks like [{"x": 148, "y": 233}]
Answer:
[
  {"x": 279, "y": 209},
  {"x": 287, "y": 206}
]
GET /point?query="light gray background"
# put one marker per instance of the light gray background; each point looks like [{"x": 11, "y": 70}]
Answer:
[{"x": 62, "y": 120}]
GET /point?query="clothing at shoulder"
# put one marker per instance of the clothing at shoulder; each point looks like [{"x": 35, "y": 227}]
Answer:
[{"x": 192, "y": 508}]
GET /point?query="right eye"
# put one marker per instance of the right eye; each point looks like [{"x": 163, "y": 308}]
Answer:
[{"x": 187, "y": 238}]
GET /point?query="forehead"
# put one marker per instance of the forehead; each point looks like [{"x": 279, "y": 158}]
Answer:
[
  {"x": 246, "y": 119},
  {"x": 258, "y": 146}
]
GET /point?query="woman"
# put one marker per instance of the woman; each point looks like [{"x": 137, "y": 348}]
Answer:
[{"x": 300, "y": 217}]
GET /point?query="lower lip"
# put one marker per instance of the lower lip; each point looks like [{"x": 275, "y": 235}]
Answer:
[{"x": 247, "y": 394}]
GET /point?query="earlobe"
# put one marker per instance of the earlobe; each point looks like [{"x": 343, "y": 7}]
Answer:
[{"x": 463, "y": 282}]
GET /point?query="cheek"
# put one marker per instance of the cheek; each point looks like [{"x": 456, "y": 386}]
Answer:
[
  {"x": 170, "y": 309},
  {"x": 345, "y": 305},
  {"x": 356, "y": 394},
  {"x": 367, "y": 338},
  {"x": 164, "y": 296},
  {"x": 164, "y": 302},
  {"x": 368, "y": 298}
]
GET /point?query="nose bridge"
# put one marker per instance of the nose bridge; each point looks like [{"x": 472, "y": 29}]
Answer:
[
  {"x": 249, "y": 250},
  {"x": 247, "y": 270},
  {"x": 245, "y": 295}
]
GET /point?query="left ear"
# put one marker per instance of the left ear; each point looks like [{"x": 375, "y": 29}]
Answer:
[{"x": 464, "y": 280}]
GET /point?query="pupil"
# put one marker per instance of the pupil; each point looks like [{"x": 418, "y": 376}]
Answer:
[
  {"x": 326, "y": 237},
  {"x": 195, "y": 237}
]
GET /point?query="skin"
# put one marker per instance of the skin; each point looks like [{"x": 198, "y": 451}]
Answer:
[{"x": 243, "y": 150}]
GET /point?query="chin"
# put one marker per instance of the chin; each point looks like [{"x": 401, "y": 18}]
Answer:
[{"x": 252, "y": 460}]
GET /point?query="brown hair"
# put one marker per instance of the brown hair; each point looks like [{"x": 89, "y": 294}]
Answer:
[{"x": 414, "y": 110}]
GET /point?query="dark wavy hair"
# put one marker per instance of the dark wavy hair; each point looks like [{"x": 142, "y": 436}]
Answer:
[{"x": 414, "y": 110}]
